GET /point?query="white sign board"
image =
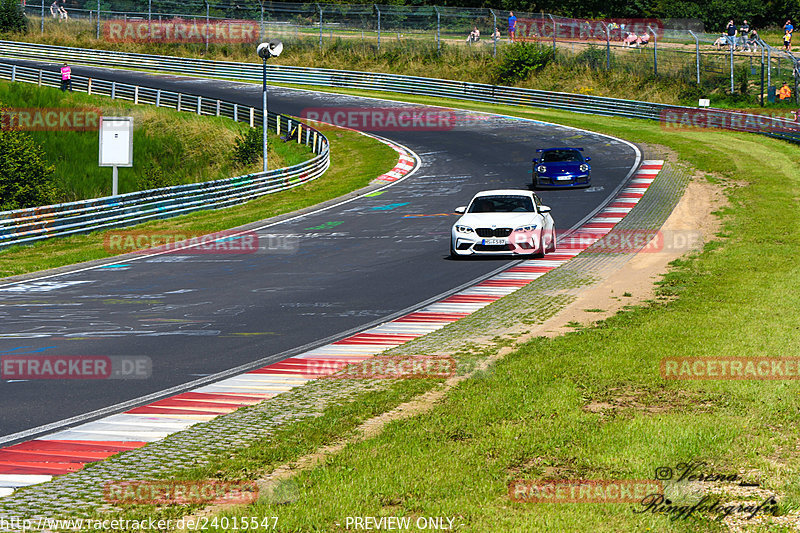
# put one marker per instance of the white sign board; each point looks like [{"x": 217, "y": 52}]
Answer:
[
  {"x": 705, "y": 102},
  {"x": 116, "y": 141}
]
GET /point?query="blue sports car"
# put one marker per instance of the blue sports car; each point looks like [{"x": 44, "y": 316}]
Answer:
[{"x": 562, "y": 167}]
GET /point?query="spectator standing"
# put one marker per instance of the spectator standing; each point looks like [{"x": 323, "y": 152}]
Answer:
[
  {"x": 730, "y": 30},
  {"x": 62, "y": 11},
  {"x": 788, "y": 28},
  {"x": 787, "y": 41},
  {"x": 66, "y": 78},
  {"x": 54, "y": 9},
  {"x": 512, "y": 26}
]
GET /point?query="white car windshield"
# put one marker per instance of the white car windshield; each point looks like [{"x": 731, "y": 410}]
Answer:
[{"x": 502, "y": 204}]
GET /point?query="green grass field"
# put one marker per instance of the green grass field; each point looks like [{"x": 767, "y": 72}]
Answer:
[
  {"x": 355, "y": 161},
  {"x": 528, "y": 417},
  {"x": 173, "y": 147}
]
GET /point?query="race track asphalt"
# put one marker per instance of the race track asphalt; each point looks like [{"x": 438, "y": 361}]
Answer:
[{"x": 199, "y": 314}]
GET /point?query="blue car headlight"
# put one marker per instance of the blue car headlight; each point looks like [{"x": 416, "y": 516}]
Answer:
[{"x": 584, "y": 167}]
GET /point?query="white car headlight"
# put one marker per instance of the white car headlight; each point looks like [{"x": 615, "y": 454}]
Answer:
[
  {"x": 541, "y": 169},
  {"x": 463, "y": 229},
  {"x": 584, "y": 167},
  {"x": 526, "y": 228}
]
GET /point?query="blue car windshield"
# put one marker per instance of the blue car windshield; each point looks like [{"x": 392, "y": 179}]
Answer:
[
  {"x": 502, "y": 204},
  {"x": 561, "y": 156}
]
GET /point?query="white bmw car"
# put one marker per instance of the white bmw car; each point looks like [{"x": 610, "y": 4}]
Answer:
[{"x": 503, "y": 222}]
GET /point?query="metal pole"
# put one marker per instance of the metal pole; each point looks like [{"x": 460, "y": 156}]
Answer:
[
  {"x": 608, "y": 46},
  {"x": 42, "y": 16},
  {"x": 655, "y": 51},
  {"x": 379, "y": 26},
  {"x": 261, "y": 30},
  {"x": 732, "y": 46},
  {"x": 769, "y": 64},
  {"x": 794, "y": 74},
  {"x": 438, "y": 18},
  {"x": 98, "y": 19},
  {"x": 320, "y": 25},
  {"x": 697, "y": 54},
  {"x": 207, "y": 10},
  {"x": 554, "y": 32},
  {"x": 149, "y": 19},
  {"x": 494, "y": 39},
  {"x": 264, "y": 113},
  {"x": 762, "y": 75},
  {"x": 114, "y": 181}
]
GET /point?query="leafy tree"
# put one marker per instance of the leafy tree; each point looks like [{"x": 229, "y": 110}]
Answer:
[
  {"x": 12, "y": 17},
  {"x": 26, "y": 179}
]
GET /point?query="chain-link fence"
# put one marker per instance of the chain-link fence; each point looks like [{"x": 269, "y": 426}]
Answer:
[{"x": 641, "y": 47}]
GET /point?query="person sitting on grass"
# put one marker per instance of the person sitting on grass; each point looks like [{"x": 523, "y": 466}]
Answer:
[
  {"x": 496, "y": 35},
  {"x": 752, "y": 41},
  {"x": 630, "y": 40},
  {"x": 643, "y": 39},
  {"x": 474, "y": 35}
]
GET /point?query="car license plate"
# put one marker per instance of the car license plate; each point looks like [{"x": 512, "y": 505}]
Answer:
[
  {"x": 491, "y": 242},
  {"x": 564, "y": 178}
]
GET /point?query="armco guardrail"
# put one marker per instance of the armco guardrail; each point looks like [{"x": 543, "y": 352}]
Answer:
[
  {"x": 462, "y": 90},
  {"x": 28, "y": 225}
]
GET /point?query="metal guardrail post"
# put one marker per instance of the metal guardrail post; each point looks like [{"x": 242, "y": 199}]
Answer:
[
  {"x": 655, "y": 51},
  {"x": 136, "y": 94},
  {"x": 438, "y": 19},
  {"x": 199, "y": 105},
  {"x": 158, "y": 97},
  {"x": 769, "y": 66},
  {"x": 207, "y": 13},
  {"x": 494, "y": 27},
  {"x": 320, "y": 25},
  {"x": 697, "y": 55},
  {"x": 732, "y": 41},
  {"x": 178, "y": 105},
  {"x": 379, "y": 25},
  {"x": 218, "y": 104},
  {"x": 13, "y": 73},
  {"x": 236, "y": 112},
  {"x": 113, "y": 89},
  {"x": 40, "y": 78}
]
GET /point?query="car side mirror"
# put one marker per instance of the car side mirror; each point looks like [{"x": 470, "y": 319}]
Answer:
[
  {"x": 587, "y": 158},
  {"x": 544, "y": 208},
  {"x": 461, "y": 210},
  {"x": 535, "y": 160}
]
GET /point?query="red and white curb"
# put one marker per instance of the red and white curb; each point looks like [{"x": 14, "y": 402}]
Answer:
[
  {"x": 36, "y": 461},
  {"x": 405, "y": 164}
]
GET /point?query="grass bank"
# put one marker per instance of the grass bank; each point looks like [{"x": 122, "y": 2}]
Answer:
[
  {"x": 577, "y": 70},
  {"x": 355, "y": 161},
  {"x": 170, "y": 148}
]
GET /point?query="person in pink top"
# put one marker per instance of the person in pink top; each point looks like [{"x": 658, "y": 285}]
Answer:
[{"x": 66, "y": 78}]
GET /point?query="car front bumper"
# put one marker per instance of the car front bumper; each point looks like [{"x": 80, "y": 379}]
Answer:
[
  {"x": 471, "y": 244},
  {"x": 579, "y": 180}
]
